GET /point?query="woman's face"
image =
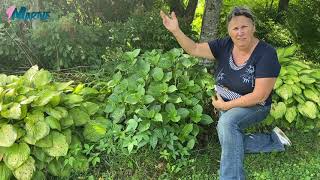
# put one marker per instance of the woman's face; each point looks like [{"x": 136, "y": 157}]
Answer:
[{"x": 241, "y": 30}]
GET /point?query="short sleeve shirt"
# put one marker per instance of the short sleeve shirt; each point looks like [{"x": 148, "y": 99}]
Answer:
[{"x": 263, "y": 63}]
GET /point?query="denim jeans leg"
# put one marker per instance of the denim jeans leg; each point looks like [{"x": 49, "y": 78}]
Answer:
[{"x": 232, "y": 139}]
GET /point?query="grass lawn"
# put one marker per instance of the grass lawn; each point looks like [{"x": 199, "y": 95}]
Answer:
[{"x": 300, "y": 161}]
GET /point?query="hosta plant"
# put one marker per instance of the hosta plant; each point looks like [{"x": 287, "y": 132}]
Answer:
[
  {"x": 41, "y": 124},
  {"x": 297, "y": 93}
]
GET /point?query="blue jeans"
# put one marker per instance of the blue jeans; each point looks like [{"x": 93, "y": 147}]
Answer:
[{"x": 234, "y": 143}]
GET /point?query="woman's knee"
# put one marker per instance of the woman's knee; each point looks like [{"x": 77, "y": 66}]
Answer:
[{"x": 225, "y": 124}]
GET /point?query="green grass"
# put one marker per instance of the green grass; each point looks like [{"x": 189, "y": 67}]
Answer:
[{"x": 300, "y": 161}]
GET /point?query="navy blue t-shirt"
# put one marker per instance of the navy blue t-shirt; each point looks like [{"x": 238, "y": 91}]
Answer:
[{"x": 263, "y": 63}]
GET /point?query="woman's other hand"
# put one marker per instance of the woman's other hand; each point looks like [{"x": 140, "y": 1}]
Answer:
[
  {"x": 219, "y": 103},
  {"x": 170, "y": 23}
]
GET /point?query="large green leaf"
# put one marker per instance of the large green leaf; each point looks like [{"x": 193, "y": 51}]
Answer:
[
  {"x": 278, "y": 83},
  {"x": 88, "y": 91},
  {"x": 63, "y": 111},
  {"x": 72, "y": 99},
  {"x": 157, "y": 117},
  {"x": 284, "y": 91},
  {"x": 36, "y": 130},
  {"x": 79, "y": 117},
  {"x": 54, "y": 113},
  {"x": 132, "y": 55},
  {"x": 142, "y": 67},
  {"x": 94, "y": 131},
  {"x": 60, "y": 86},
  {"x": 45, "y": 97},
  {"x": 291, "y": 114},
  {"x": 5, "y": 172},
  {"x": 157, "y": 89},
  {"x": 172, "y": 112},
  {"x": 132, "y": 98},
  {"x": 53, "y": 123},
  {"x": 81, "y": 164},
  {"x": 91, "y": 108},
  {"x": 26, "y": 170},
  {"x": 16, "y": 155},
  {"x": 144, "y": 125},
  {"x": 316, "y": 74},
  {"x": 57, "y": 168},
  {"x": 157, "y": 74},
  {"x": 278, "y": 110},
  {"x": 148, "y": 99},
  {"x": 8, "y": 135},
  {"x": 38, "y": 175},
  {"x": 13, "y": 111},
  {"x": 196, "y": 113},
  {"x": 183, "y": 113},
  {"x": 186, "y": 130},
  {"x": 311, "y": 95},
  {"x": 132, "y": 124},
  {"x": 308, "y": 109},
  {"x": 41, "y": 78},
  {"x": 59, "y": 146},
  {"x": 117, "y": 114},
  {"x": 67, "y": 121},
  {"x": 306, "y": 79},
  {"x": 296, "y": 89},
  {"x": 115, "y": 80},
  {"x": 45, "y": 142},
  {"x": 29, "y": 75},
  {"x": 206, "y": 119},
  {"x": 191, "y": 143},
  {"x": 29, "y": 100}
]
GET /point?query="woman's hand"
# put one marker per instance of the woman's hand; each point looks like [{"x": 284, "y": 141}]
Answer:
[
  {"x": 170, "y": 23},
  {"x": 219, "y": 103}
]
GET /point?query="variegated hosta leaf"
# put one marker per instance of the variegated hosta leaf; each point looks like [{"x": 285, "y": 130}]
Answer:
[
  {"x": 8, "y": 135},
  {"x": 278, "y": 110},
  {"x": 16, "y": 155}
]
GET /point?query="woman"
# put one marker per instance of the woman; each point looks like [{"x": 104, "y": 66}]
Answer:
[{"x": 246, "y": 73}]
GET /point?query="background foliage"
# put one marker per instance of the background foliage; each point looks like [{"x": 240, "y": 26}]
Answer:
[{"x": 122, "y": 57}]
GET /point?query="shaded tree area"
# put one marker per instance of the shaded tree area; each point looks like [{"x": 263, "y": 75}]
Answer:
[{"x": 79, "y": 31}]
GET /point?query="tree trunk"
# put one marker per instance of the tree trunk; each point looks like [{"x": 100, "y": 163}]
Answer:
[
  {"x": 210, "y": 20},
  {"x": 186, "y": 14},
  {"x": 177, "y": 7},
  {"x": 283, "y": 5},
  {"x": 190, "y": 11}
]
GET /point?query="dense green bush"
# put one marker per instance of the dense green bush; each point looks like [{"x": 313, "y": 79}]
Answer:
[
  {"x": 43, "y": 125},
  {"x": 297, "y": 95},
  {"x": 155, "y": 99},
  {"x": 303, "y": 19},
  {"x": 63, "y": 43},
  {"x": 144, "y": 31}
]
